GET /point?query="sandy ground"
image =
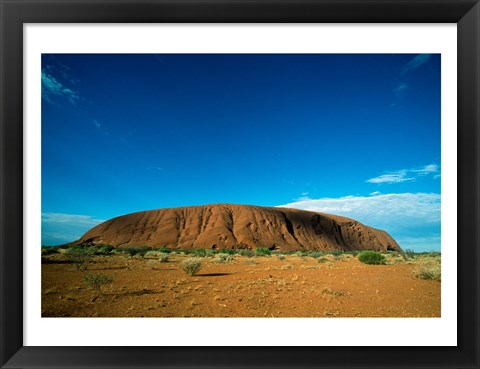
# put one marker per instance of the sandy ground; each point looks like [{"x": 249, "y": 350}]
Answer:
[{"x": 245, "y": 287}]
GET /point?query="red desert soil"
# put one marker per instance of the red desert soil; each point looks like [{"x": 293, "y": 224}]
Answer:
[
  {"x": 226, "y": 226},
  {"x": 245, "y": 287}
]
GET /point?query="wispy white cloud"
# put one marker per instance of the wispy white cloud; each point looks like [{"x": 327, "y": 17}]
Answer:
[
  {"x": 427, "y": 169},
  {"x": 405, "y": 175},
  {"x": 160, "y": 169},
  {"x": 406, "y": 216},
  {"x": 97, "y": 123},
  {"x": 52, "y": 87},
  {"x": 400, "y": 89},
  {"x": 396, "y": 177},
  {"x": 59, "y": 228},
  {"x": 416, "y": 62}
]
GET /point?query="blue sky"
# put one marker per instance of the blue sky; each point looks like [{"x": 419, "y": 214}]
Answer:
[{"x": 356, "y": 135}]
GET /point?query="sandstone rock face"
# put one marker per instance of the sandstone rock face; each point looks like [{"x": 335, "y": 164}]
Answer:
[{"x": 225, "y": 226}]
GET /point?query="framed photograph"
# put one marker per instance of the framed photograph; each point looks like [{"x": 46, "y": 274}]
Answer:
[{"x": 228, "y": 184}]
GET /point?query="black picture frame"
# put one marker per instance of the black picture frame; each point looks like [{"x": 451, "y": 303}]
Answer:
[{"x": 15, "y": 13}]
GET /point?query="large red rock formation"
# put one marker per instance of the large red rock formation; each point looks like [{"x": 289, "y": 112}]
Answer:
[{"x": 225, "y": 226}]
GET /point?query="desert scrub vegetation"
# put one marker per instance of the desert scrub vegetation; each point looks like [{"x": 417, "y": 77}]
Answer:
[
  {"x": 163, "y": 257},
  {"x": 262, "y": 251},
  {"x": 227, "y": 251},
  {"x": 223, "y": 258},
  {"x": 163, "y": 250},
  {"x": 97, "y": 280},
  {"x": 429, "y": 268},
  {"x": 371, "y": 257},
  {"x": 49, "y": 250},
  {"x": 200, "y": 253},
  {"x": 408, "y": 254},
  {"x": 315, "y": 254},
  {"x": 135, "y": 250},
  {"x": 191, "y": 266},
  {"x": 79, "y": 257},
  {"x": 246, "y": 252}
]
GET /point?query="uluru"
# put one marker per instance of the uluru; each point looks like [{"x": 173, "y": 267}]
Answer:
[{"x": 228, "y": 226}]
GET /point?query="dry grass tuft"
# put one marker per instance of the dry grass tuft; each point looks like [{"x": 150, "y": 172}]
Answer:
[{"x": 429, "y": 268}]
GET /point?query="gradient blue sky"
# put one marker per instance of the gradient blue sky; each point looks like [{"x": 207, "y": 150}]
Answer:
[{"x": 356, "y": 135}]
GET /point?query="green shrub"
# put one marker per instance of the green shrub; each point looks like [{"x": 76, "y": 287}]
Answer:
[
  {"x": 223, "y": 258},
  {"x": 227, "y": 251},
  {"x": 49, "y": 250},
  {"x": 136, "y": 250},
  {"x": 371, "y": 257},
  {"x": 280, "y": 257},
  {"x": 163, "y": 257},
  {"x": 163, "y": 250},
  {"x": 191, "y": 265},
  {"x": 322, "y": 260},
  {"x": 246, "y": 252},
  {"x": 97, "y": 280},
  {"x": 209, "y": 252},
  {"x": 199, "y": 253},
  {"x": 79, "y": 257},
  {"x": 103, "y": 250},
  {"x": 335, "y": 252},
  {"x": 315, "y": 254},
  {"x": 354, "y": 253},
  {"x": 262, "y": 251}
]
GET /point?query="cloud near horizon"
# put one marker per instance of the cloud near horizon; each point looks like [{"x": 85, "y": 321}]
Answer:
[
  {"x": 59, "y": 228},
  {"x": 412, "y": 219},
  {"x": 406, "y": 175}
]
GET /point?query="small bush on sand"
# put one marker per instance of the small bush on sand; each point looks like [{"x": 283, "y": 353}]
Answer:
[
  {"x": 371, "y": 257},
  {"x": 136, "y": 250},
  {"x": 201, "y": 253},
  {"x": 223, "y": 258},
  {"x": 280, "y": 257},
  {"x": 163, "y": 258},
  {"x": 79, "y": 257},
  {"x": 322, "y": 260},
  {"x": 103, "y": 250},
  {"x": 428, "y": 268},
  {"x": 262, "y": 251},
  {"x": 191, "y": 265},
  {"x": 97, "y": 280},
  {"x": 408, "y": 254},
  {"x": 246, "y": 252},
  {"x": 209, "y": 253},
  {"x": 164, "y": 250},
  {"x": 336, "y": 252},
  {"x": 49, "y": 250}
]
